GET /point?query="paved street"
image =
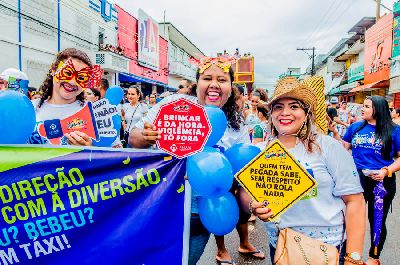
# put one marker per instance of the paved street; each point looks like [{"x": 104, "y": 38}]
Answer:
[{"x": 390, "y": 255}]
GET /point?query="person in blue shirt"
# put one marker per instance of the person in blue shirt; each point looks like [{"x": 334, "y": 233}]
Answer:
[{"x": 375, "y": 142}]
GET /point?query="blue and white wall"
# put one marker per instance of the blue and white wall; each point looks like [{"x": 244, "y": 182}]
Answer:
[{"x": 30, "y": 41}]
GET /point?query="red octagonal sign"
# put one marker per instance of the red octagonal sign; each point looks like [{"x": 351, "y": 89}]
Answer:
[{"x": 184, "y": 127}]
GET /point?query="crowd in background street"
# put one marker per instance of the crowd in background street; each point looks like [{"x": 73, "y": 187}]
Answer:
[{"x": 345, "y": 179}]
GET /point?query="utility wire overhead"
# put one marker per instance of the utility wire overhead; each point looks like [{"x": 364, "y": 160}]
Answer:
[{"x": 323, "y": 17}]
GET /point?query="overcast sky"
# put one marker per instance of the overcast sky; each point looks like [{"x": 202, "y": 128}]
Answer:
[{"x": 270, "y": 30}]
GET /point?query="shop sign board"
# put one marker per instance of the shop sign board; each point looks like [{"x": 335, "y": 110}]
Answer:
[
  {"x": 355, "y": 72},
  {"x": 148, "y": 54},
  {"x": 378, "y": 50}
]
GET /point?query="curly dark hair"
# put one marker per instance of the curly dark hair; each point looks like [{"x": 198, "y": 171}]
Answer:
[
  {"x": 47, "y": 86},
  {"x": 261, "y": 93},
  {"x": 231, "y": 107}
]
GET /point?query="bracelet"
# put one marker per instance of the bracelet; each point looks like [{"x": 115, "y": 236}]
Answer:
[
  {"x": 349, "y": 259},
  {"x": 250, "y": 207},
  {"x": 389, "y": 172}
]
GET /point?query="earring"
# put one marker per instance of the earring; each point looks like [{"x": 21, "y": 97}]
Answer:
[
  {"x": 273, "y": 130},
  {"x": 303, "y": 131}
]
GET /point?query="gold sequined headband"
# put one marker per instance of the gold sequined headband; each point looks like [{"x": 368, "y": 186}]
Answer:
[{"x": 223, "y": 62}]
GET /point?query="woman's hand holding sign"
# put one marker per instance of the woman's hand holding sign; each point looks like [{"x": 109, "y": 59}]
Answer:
[
  {"x": 79, "y": 138},
  {"x": 260, "y": 210},
  {"x": 150, "y": 133}
]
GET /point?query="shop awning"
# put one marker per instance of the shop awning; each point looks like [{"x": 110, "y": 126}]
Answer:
[
  {"x": 125, "y": 77},
  {"x": 346, "y": 88},
  {"x": 334, "y": 84},
  {"x": 334, "y": 91},
  {"x": 371, "y": 86},
  {"x": 343, "y": 89}
]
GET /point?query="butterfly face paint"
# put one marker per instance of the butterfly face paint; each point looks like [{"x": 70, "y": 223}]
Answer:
[{"x": 88, "y": 77}]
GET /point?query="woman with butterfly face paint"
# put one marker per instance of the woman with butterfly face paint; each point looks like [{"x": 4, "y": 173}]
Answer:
[{"x": 69, "y": 75}]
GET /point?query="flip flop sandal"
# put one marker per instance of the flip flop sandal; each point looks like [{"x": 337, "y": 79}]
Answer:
[
  {"x": 252, "y": 254},
  {"x": 225, "y": 262}
]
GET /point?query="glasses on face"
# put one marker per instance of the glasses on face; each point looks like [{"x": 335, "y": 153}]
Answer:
[
  {"x": 180, "y": 87},
  {"x": 152, "y": 97},
  {"x": 254, "y": 101},
  {"x": 85, "y": 78},
  {"x": 391, "y": 109}
]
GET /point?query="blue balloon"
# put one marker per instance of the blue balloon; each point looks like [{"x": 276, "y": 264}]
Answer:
[
  {"x": 219, "y": 214},
  {"x": 114, "y": 94},
  {"x": 17, "y": 117},
  {"x": 209, "y": 173},
  {"x": 240, "y": 155},
  {"x": 218, "y": 124},
  {"x": 108, "y": 141}
]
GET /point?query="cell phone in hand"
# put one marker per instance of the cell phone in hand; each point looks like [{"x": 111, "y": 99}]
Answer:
[{"x": 369, "y": 172}]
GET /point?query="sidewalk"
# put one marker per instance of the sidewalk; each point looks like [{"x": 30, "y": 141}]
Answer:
[{"x": 390, "y": 255}]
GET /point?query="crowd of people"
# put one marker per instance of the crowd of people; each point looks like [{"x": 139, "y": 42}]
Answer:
[{"x": 335, "y": 214}]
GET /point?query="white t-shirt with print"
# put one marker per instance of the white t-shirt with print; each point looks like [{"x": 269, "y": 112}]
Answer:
[
  {"x": 55, "y": 111},
  {"x": 320, "y": 215},
  {"x": 134, "y": 114},
  {"x": 50, "y": 112}
]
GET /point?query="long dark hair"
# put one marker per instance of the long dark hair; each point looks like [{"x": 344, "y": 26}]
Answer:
[
  {"x": 231, "y": 107},
  {"x": 47, "y": 86},
  {"x": 384, "y": 124}
]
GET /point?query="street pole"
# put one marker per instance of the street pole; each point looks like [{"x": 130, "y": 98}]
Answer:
[
  {"x": 312, "y": 57},
  {"x": 378, "y": 9},
  {"x": 312, "y": 64},
  {"x": 165, "y": 11}
]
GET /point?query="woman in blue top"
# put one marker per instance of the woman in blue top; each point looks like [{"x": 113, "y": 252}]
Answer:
[{"x": 374, "y": 142}]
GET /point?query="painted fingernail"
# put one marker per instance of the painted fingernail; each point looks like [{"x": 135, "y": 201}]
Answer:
[{"x": 265, "y": 203}]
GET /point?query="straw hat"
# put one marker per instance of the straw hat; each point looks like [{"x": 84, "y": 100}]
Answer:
[{"x": 290, "y": 87}]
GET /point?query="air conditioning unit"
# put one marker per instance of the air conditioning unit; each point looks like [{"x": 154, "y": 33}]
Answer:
[{"x": 110, "y": 61}]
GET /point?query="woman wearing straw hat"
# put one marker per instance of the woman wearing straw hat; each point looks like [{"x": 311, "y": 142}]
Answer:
[{"x": 320, "y": 214}]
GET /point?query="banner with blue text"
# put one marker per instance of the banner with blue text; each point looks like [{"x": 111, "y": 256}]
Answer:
[{"x": 88, "y": 206}]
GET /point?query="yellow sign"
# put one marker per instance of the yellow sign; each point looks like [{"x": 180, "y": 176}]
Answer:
[{"x": 276, "y": 176}]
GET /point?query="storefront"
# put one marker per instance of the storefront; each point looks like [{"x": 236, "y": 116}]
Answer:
[
  {"x": 378, "y": 51},
  {"x": 34, "y": 31},
  {"x": 147, "y": 52},
  {"x": 394, "y": 89}
]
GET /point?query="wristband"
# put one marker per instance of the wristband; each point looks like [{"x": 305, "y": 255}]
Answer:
[
  {"x": 389, "y": 172},
  {"x": 250, "y": 207}
]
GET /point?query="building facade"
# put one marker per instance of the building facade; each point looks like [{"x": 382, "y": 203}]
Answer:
[
  {"x": 33, "y": 31},
  {"x": 180, "y": 52}
]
